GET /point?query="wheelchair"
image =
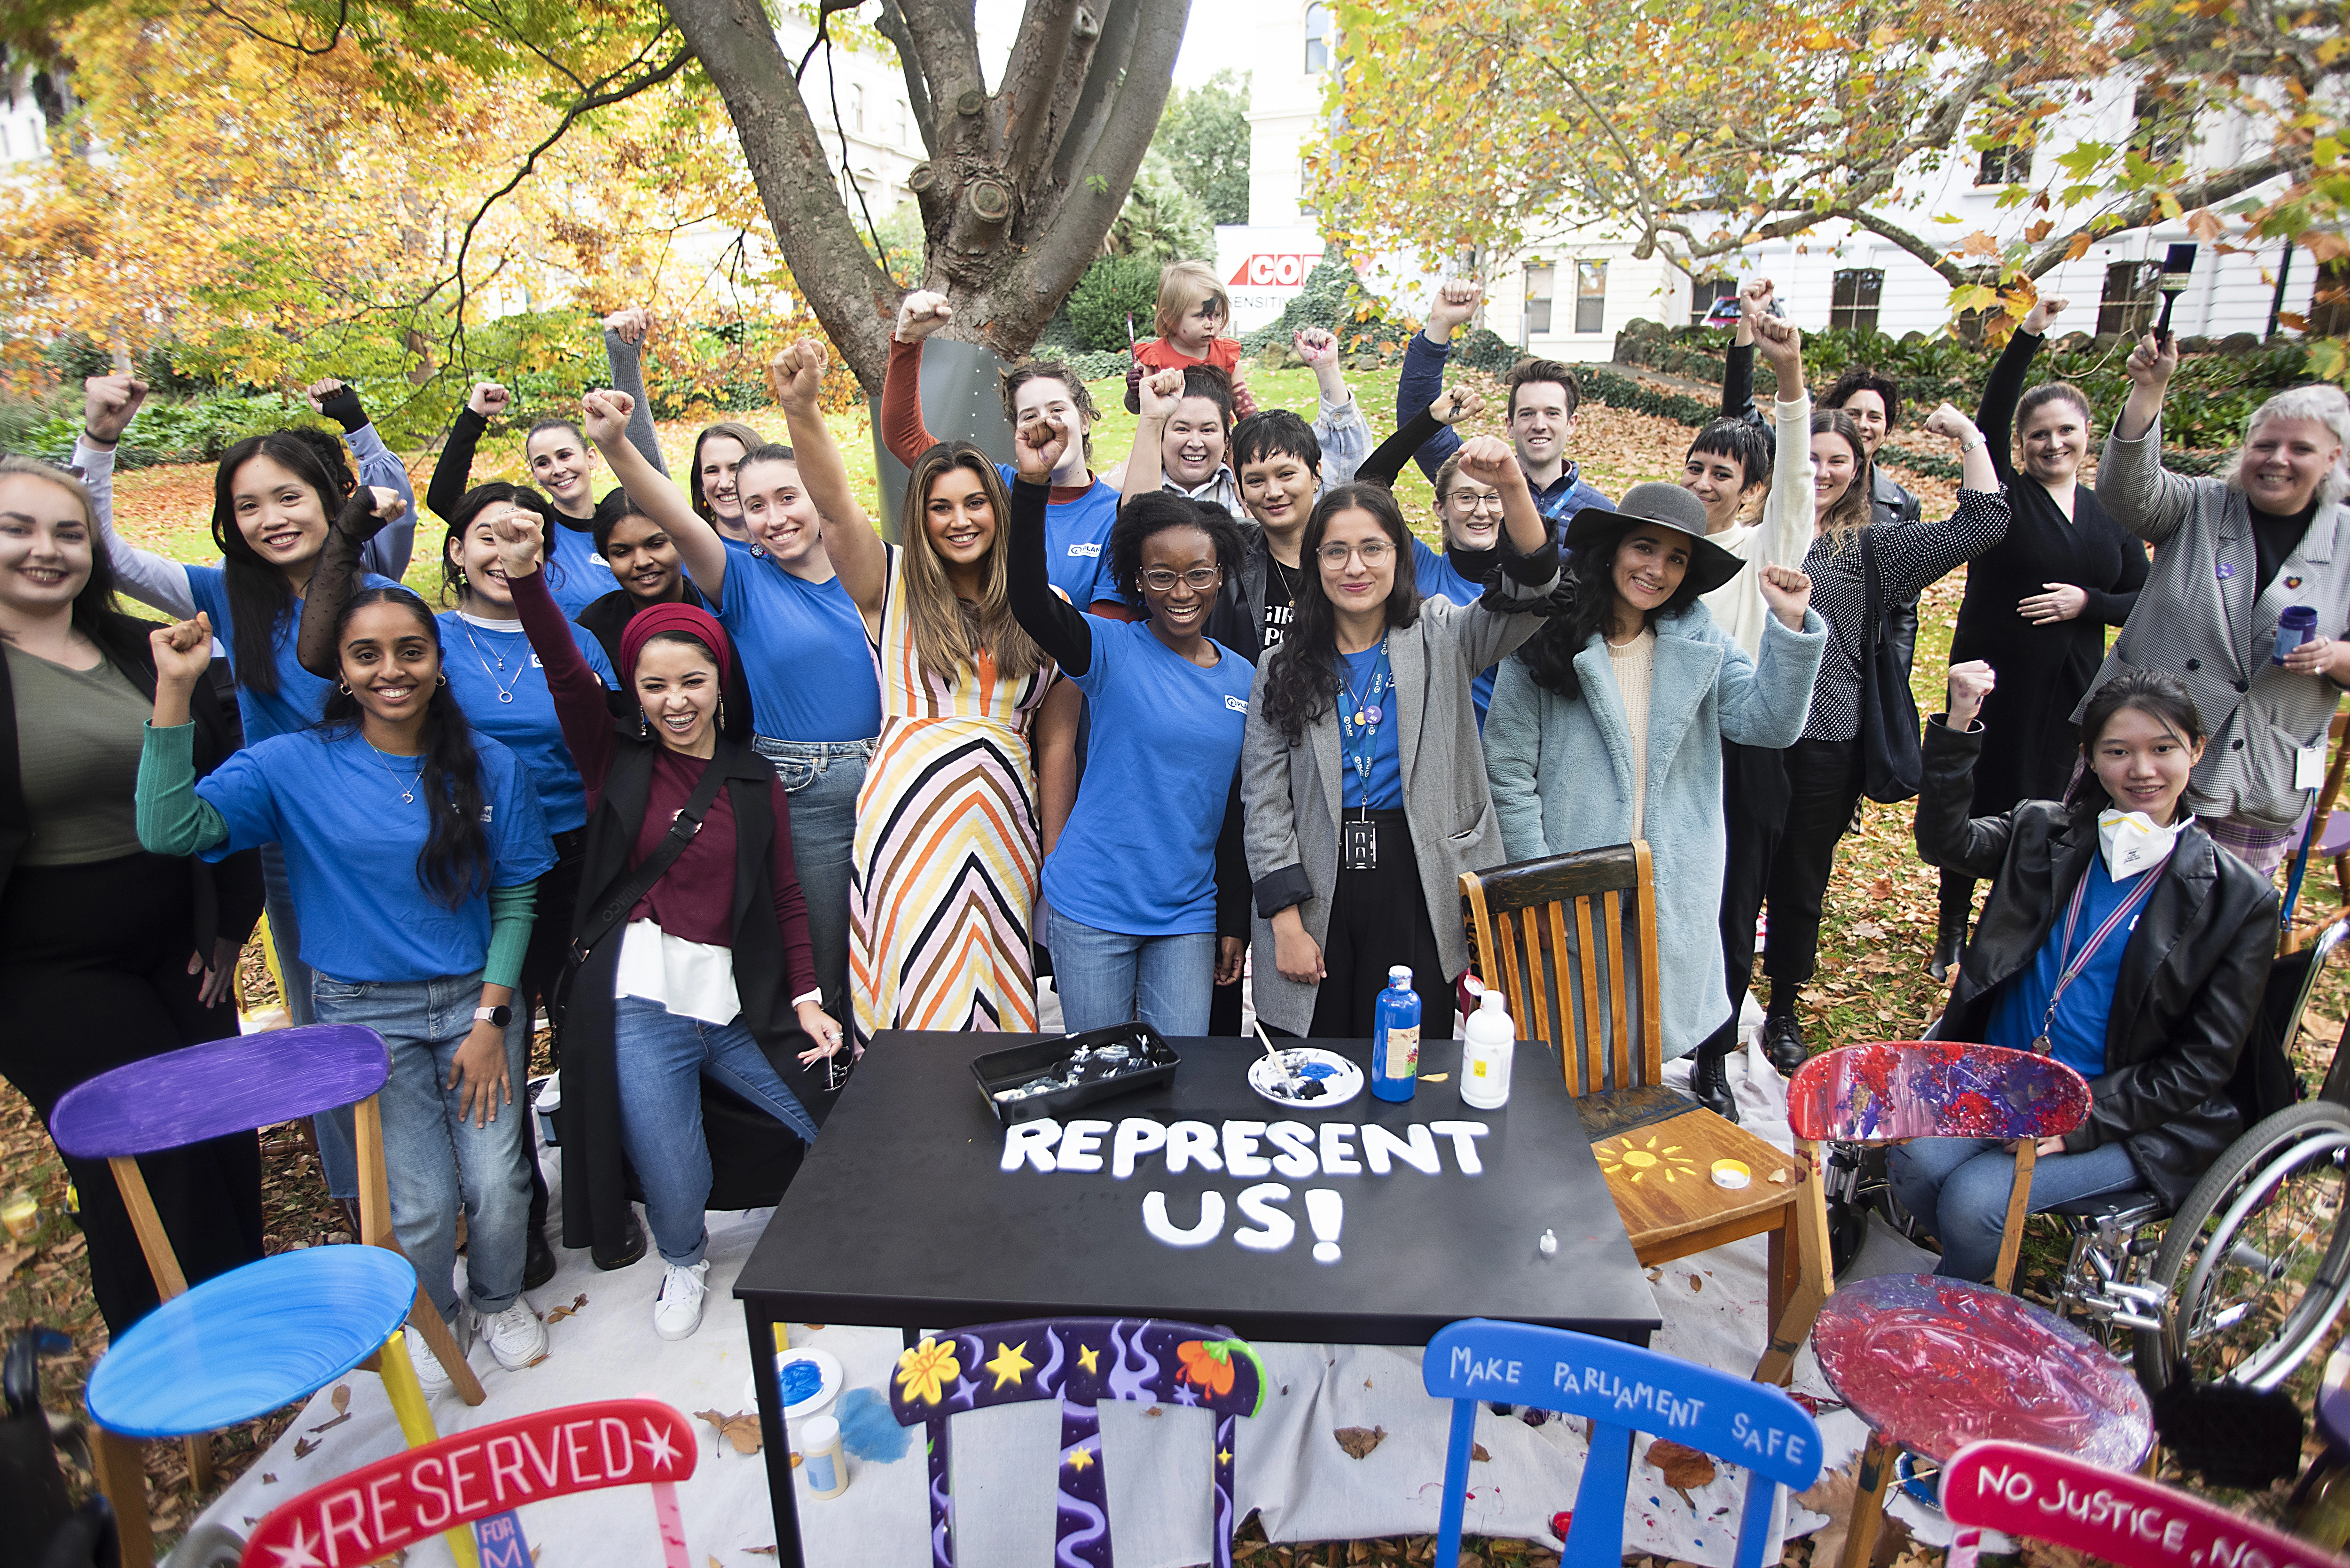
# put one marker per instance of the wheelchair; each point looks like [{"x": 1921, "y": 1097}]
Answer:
[{"x": 2245, "y": 1279}]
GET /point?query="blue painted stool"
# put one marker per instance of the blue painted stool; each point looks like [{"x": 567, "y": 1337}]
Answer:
[{"x": 1622, "y": 1389}]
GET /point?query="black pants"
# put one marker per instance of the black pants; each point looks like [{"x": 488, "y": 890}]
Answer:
[
  {"x": 94, "y": 963},
  {"x": 1957, "y": 894},
  {"x": 542, "y": 967},
  {"x": 1824, "y": 779},
  {"x": 1754, "y": 811},
  {"x": 1380, "y": 919}
]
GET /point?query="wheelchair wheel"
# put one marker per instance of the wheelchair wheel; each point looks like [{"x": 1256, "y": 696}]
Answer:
[{"x": 2257, "y": 1258}]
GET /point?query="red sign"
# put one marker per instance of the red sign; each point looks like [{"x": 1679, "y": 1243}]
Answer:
[
  {"x": 393, "y": 1503},
  {"x": 2120, "y": 1517},
  {"x": 1269, "y": 270}
]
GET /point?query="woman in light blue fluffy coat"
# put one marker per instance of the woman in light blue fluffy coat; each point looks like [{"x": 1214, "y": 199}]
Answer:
[{"x": 1607, "y": 727}]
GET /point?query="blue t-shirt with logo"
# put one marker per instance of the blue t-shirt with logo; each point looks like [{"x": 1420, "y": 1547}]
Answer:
[
  {"x": 804, "y": 650},
  {"x": 1077, "y": 542},
  {"x": 351, "y": 842},
  {"x": 300, "y": 700},
  {"x": 575, "y": 575},
  {"x": 1139, "y": 855},
  {"x": 1439, "y": 578},
  {"x": 501, "y": 686}
]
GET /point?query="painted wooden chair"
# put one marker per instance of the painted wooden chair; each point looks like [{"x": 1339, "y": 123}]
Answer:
[
  {"x": 1932, "y": 1364},
  {"x": 1080, "y": 1361},
  {"x": 2107, "y": 1514},
  {"x": 1571, "y": 941},
  {"x": 536, "y": 1458},
  {"x": 205, "y": 1092},
  {"x": 1747, "y": 1423}
]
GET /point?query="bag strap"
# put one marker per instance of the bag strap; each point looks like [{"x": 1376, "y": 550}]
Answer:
[
  {"x": 1868, "y": 592},
  {"x": 653, "y": 868}
]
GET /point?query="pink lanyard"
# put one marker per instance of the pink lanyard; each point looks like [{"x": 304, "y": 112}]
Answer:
[{"x": 2113, "y": 922}]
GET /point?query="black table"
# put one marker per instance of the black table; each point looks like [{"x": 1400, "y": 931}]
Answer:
[{"x": 902, "y": 1216}]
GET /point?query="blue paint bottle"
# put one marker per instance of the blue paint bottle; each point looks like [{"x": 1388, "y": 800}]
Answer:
[{"x": 1395, "y": 1039}]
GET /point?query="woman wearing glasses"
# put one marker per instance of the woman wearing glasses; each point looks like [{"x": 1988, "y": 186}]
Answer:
[
  {"x": 1361, "y": 769},
  {"x": 1131, "y": 880}
]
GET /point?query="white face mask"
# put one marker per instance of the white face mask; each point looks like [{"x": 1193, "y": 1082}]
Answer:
[{"x": 2131, "y": 842}]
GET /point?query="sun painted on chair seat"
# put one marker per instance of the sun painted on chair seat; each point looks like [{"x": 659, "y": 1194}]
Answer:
[{"x": 1636, "y": 1160}]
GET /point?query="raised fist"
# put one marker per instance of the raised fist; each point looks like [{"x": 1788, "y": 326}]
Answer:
[
  {"x": 921, "y": 313},
  {"x": 489, "y": 400}
]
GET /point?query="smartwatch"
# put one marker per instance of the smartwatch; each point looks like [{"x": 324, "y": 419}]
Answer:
[{"x": 501, "y": 1016}]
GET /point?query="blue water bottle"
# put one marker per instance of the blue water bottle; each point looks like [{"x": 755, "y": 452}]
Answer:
[{"x": 1395, "y": 1039}]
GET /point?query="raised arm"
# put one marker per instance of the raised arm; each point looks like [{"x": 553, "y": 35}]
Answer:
[
  {"x": 1058, "y": 627},
  {"x": 1497, "y": 623},
  {"x": 1946, "y": 836},
  {"x": 1787, "y": 511},
  {"x": 624, "y": 340},
  {"x": 1161, "y": 392},
  {"x": 107, "y": 404},
  {"x": 1339, "y": 423},
  {"x": 378, "y": 466},
  {"x": 1422, "y": 376},
  {"x": 452, "y": 473},
  {"x": 337, "y": 576},
  {"x": 1738, "y": 368},
  {"x": 919, "y": 313},
  {"x": 606, "y": 417},
  {"x": 1916, "y": 553},
  {"x": 171, "y": 819},
  {"x": 2133, "y": 486},
  {"x": 849, "y": 542},
  {"x": 1995, "y": 415},
  {"x": 578, "y": 692},
  {"x": 1386, "y": 462}
]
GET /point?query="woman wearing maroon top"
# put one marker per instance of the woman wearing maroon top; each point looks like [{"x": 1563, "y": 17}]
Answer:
[{"x": 693, "y": 981}]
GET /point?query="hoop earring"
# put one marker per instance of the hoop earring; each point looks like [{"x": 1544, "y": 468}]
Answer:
[{"x": 442, "y": 679}]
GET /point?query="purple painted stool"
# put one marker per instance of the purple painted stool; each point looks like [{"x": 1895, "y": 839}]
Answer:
[{"x": 1078, "y": 1361}]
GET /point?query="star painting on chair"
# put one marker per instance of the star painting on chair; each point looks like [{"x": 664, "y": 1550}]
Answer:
[{"x": 1011, "y": 1365}]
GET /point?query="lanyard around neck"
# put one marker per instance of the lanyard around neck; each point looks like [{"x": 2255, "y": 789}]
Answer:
[
  {"x": 2120, "y": 917},
  {"x": 1360, "y": 714}
]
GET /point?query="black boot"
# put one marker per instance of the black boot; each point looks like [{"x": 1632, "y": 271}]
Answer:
[
  {"x": 1783, "y": 1041},
  {"x": 1950, "y": 941},
  {"x": 1711, "y": 1080}
]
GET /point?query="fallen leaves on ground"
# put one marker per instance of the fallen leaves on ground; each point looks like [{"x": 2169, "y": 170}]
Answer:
[
  {"x": 1359, "y": 1440},
  {"x": 741, "y": 1429},
  {"x": 559, "y": 1314}
]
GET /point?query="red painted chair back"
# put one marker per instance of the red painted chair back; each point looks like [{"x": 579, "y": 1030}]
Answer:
[
  {"x": 2114, "y": 1515},
  {"x": 1891, "y": 1089},
  {"x": 383, "y": 1508}
]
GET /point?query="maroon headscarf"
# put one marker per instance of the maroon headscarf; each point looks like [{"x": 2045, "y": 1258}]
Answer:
[{"x": 654, "y": 619}]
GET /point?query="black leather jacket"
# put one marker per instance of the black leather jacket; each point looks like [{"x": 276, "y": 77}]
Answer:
[{"x": 2191, "y": 973}]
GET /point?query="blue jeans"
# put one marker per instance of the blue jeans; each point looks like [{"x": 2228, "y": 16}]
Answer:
[
  {"x": 338, "y": 1151},
  {"x": 822, "y": 778},
  {"x": 434, "y": 1156},
  {"x": 660, "y": 1057},
  {"x": 1957, "y": 1188},
  {"x": 1104, "y": 978}
]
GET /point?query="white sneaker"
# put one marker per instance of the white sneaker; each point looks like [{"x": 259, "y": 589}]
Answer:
[
  {"x": 677, "y": 1310},
  {"x": 516, "y": 1336},
  {"x": 433, "y": 1377}
]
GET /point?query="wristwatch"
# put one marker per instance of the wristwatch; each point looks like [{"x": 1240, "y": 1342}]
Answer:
[{"x": 501, "y": 1016}]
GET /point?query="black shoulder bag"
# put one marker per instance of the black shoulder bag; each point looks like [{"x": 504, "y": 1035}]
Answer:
[
  {"x": 1893, "y": 762},
  {"x": 632, "y": 888}
]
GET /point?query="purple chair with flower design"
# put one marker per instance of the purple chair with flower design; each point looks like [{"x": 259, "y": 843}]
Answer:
[{"x": 1078, "y": 1361}]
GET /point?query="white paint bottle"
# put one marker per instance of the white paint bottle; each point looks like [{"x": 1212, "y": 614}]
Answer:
[{"x": 1488, "y": 1041}]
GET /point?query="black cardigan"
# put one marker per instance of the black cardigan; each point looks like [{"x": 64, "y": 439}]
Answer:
[
  {"x": 227, "y": 895},
  {"x": 2191, "y": 979}
]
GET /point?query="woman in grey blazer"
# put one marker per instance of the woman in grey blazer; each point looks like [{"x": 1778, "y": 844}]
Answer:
[
  {"x": 2233, "y": 552},
  {"x": 1361, "y": 771}
]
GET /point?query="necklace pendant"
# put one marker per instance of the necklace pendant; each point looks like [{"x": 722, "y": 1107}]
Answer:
[
  {"x": 505, "y": 695},
  {"x": 1361, "y": 718},
  {"x": 408, "y": 797}
]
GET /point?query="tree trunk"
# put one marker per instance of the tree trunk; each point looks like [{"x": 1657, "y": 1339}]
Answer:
[{"x": 1020, "y": 188}]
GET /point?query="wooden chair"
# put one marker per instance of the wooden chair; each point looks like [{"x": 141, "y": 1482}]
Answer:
[
  {"x": 1077, "y": 1361},
  {"x": 209, "y": 1091},
  {"x": 1557, "y": 1369},
  {"x": 1552, "y": 935},
  {"x": 2105, "y": 1514},
  {"x": 2327, "y": 838},
  {"x": 1931, "y": 1364}
]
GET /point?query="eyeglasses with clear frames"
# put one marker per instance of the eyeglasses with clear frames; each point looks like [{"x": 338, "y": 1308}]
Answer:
[
  {"x": 1490, "y": 501},
  {"x": 1199, "y": 579},
  {"x": 1374, "y": 553}
]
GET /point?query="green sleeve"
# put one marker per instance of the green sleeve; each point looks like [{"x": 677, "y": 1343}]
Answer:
[
  {"x": 510, "y": 916},
  {"x": 172, "y": 819}
]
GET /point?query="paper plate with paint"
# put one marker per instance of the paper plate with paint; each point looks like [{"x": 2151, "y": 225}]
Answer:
[
  {"x": 809, "y": 1379},
  {"x": 1305, "y": 1075}
]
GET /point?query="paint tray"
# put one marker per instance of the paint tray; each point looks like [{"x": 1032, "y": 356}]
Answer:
[{"x": 1151, "y": 1062}]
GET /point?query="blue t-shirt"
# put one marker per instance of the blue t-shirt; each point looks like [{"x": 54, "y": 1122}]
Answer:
[
  {"x": 1076, "y": 544},
  {"x": 482, "y": 661},
  {"x": 1439, "y": 578},
  {"x": 2077, "y": 1036},
  {"x": 1139, "y": 855},
  {"x": 300, "y": 700},
  {"x": 351, "y": 842},
  {"x": 1356, "y": 671},
  {"x": 577, "y": 577},
  {"x": 804, "y": 651}
]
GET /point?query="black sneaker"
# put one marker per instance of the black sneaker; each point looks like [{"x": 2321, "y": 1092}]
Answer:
[
  {"x": 537, "y": 1259},
  {"x": 1783, "y": 1042},
  {"x": 630, "y": 1250}
]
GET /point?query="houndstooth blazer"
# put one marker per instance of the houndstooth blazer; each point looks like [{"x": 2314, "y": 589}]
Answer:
[{"x": 2201, "y": 618}]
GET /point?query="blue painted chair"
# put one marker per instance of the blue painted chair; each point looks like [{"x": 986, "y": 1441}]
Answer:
[
  {"x": 259, "y": 1337},
  {"x": 1750, "y": 1424},
  {"x": 1078, "y": 1361}
]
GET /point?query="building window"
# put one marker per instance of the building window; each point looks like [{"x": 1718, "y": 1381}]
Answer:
[
  {"x": 904, "y": 138},
  {"x": 856, "y": 107},
  {"x": 1704, "y": 291},
  {"x": 1590, "y": 295},
  {"x": 2158, "y": 134},
  {"x": 1541, "y": 282},
  {"x": 2004, "y": 165},
  {"x": 1318, "y": 39},
  {"x": 2130, "y": 297},
  {"x": 1853, "y": 299}
]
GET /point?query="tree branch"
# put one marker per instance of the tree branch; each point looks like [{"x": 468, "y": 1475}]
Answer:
[
  {"x": 891, "y": 24},
  {"x": 1023, "y": 102},
  {"x": 1112, "y": 52},
  {"x": 2218, "y": 187},
  {"x": 949, "y": 62},
  {"x": 342, "y": 17}
]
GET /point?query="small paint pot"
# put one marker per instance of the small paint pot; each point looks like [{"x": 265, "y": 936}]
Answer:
[
  {"x": 1731, "y": 1173},
  {"x": 822, "y": 1461}
]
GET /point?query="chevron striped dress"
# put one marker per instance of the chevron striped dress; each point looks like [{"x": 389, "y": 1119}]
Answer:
[{"x": 947, "y": 849}]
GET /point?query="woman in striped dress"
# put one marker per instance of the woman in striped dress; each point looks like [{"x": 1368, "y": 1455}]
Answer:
[{"x": 947, "y": 853}]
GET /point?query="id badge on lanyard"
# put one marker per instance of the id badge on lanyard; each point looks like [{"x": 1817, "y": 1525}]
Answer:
[{"x": 1358, "y": 844}]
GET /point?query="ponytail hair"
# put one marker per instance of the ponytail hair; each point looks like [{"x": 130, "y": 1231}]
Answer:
[{"x": 454, "y": 864}]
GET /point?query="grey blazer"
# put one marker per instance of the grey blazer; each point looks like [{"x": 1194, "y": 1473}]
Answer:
[
  {"x": 1292, "y": 793},
  {"x": 2199, "y": 617}
]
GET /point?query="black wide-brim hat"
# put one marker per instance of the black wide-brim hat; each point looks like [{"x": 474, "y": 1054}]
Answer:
[{"x": 1602, "y": 529}]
